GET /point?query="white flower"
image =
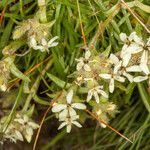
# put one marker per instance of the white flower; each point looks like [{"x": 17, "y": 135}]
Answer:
[
  {"x": 68, "y": 123},
  {"x": 45, "y": 45},
  {"x": 132, "y": 45},
  {"x": 27, "y": 126},
  {"x": 119, "y": 66},
  {"x": 67, "y": 109},
  {"x": 83, "y": 62},
  {"x": 144, "y": 58},
  {"x": 95, "y": 92},
  {"x": 114, "y": 75}
]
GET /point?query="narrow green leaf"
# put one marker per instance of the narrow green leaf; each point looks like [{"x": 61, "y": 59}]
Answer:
[
  {"x": 40, "y": 101},
  {"x": 144, "y": 96},
  {"x": 14, "y": 70},
  {"x": 58, "y": 81}
]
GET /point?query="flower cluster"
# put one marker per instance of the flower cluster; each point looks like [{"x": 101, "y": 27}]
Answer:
[
  {"x": 66, "y": 111},
  {"x": 21, "y": 127},
  {"x": 37, "y": 34},
  {"x": 99, "y": 75},
  {"x": 131, "y": 63}
]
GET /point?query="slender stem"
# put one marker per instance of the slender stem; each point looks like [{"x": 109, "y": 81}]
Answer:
[
  {"x": 43, "y": 118},
  {"x": 35, "y": 86},
  {"x": 130, "y": 10},
  {"x": 81, "y": 25},
  {"x": 101, "y": 121}
]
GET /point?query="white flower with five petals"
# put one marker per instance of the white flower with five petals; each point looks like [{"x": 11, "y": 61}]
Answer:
[
  {"x": 45, "y": 45},
  {"x": 124, "y": 70},
  {"x": 67, "y": 109},
  {"x": 95, "y": 92},
  {"x": 132, "y": 45},
  {"x": 83, "y": 62},
  {"x": 114, "y": 75},
  {"x": 68, "y": 123},
  {"x": 144, "y": 58}
]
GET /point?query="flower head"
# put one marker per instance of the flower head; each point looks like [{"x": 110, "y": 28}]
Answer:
[
  {"x": 68, "y": 123},
  {"x": 83, "y": 62},
  {"x": 45, "y": 45},
  {"x": 95, "y": 92}
]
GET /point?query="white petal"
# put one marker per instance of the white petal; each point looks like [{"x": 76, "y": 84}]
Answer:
[
  {"x": 74, "y": 117},
  {"x": 129, "y": 77},
  {"x": 69, "y": 97},
  {"x": 68, "y": 128},
  {"x": 63, "y": 114},
  {"x": 53, "y": 44},
  {"x": 44, "y": 42},
  {"x": 87, "y": 54},
  {"x": 77, "y": 124},
  {"x": 134, "y": 68},
  {"x": 52, "y": 40},
  {"x": 80, "y": 65},
  {"x": 33, "y": 42},
  {"x": 124, "y": 50},
  {"x": 41, "y": 48},
  {"x": 103, "y": 93},
  {"x": 29, "y": 131},
  {"x": 145, "y": 68},
  {"x": 105, "y": 76},
  {"x": 132, "y": 36},
  {"x": 19, "y": 135},
  {"x": 58, "y": 107},
  {"x": 111, "y": 85},
  {"x": 78, "y": 106},
  {"x": 114, "y": 59},
  {"x": 136, "y": 38},
  {"x": 87, "y": 67},
  {"x": 89, "y": 96},
  {"x": 134, "y": 48},
  {"x": 33, "y": 125},
  {"x": 62, "y": 125},
  {"x": 95, "y": 94},
  {"x": 28, "y": 135},
  {"x": 143, "y": 63},
  {"x": 123, "y": 37},
  {"x": 148, "y": 42},
  {"x": 20, "y": 120},
  {"x": 120, "y": 79},
  {"x": 144, "y": 57},
  {"x": 126, "y": 58},
  {"x": 117, "y": 67},
  {"x": 72, "y": 112},
  {"x": 140, "y": 78}
]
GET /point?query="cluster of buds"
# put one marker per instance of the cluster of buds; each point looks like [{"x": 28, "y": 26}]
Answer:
[
  {"x": 21, "y": 127},
  {"x": 4, "y": 73},
  {"x": 105, "y": 111},
  {"x": 37, "y": 34}
]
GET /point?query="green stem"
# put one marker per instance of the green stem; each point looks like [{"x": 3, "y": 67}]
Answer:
[{"x": 35, "y": 86}]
